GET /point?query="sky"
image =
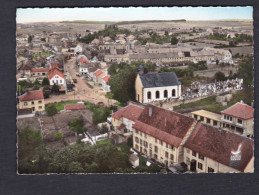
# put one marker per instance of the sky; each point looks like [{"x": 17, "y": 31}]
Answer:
[{"x": 25, "y": 15}]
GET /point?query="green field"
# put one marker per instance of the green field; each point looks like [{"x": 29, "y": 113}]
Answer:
[
  {"x": 42, "y": 54},
  {"x": 60, "y": 105}
]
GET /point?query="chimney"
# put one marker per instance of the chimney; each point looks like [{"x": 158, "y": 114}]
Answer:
[
  {"x": 141, "y": 69},
  {"x": 150, "y": 111}
]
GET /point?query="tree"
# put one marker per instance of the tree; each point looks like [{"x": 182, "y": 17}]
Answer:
[
  {"x": 55, "y": 88},
  {"x": 77, "y": 125},
  {"x": 246, "y": 71},
  {"x": 45, "y": 82},
  {"x": 51, "y": 110},
  {"x": 29, "y": 39},
  {"x": 174, "y": 40},
  {"x": 75, "y": 167},
  {"x": 43, "y": 39},
  {"x": 46, "y": 93},
  {"x": 166, "y": 33},
  {"x": 58, "y": 136},
  {"x": 219, "y": 76}
]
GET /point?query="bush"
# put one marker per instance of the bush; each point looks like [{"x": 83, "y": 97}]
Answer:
[
  {"x": 58, "y": 136},
  {"x": 77, "y": 125},
  {"x": 220, "y": 76},
  {"x": 51, "y": 110}
]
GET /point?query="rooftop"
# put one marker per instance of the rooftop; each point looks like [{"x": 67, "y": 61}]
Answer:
[
  {"x": 74, "y": 107},
  {"x": 32, "y": 95},
  {"x": 218, "y": 144},
  {"x": 150, "y": 80},
  {"x": 208, "y": 114},
  {"x": 240, "y": 110},
  {"x": 106, "y": 78},
  {"x": 165, "y": 125},
  {"x": 98, "y": 72},
  {"x": 55, "y": 71},
  {"x": 130, "y": 112}
]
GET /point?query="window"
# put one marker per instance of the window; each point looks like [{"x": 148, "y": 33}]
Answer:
[
  {"x": 239, "y": 121},
  {"x": 194, "y": 153},
  {"x": 32, "y": 102},
  {"x": 201, "y": 118},
  {"x": 140, "y": 141},
  {"x": 172, "y": 147},
  {"x": 195, "y": 116},
  {"x": 201, "y": 157},
  {"x": 33, "y": 108},
  {"x": 165, "y": 94},
  {"x": 150, "y": 146},
  {"x": 136, "y": 140},
  {"x": 40, "y": 107},
  {"x": 155, "y": 140},
  {"x": 210, "y": 170},
  {"x": 188, "y": 151},
  {"x": 60, "y": 81},
  {"x": 156, "y": 149},
  {"x": 140, "y": 133},
  {"x": 136, "y": 146},
  {"x": 161, "y": 143},
  {"x": 166, "y": 154},
  {"x": 173, "y": 93},
  {"x": 145, "y": 135},
  {"x": 145, "y": 151},
  {"x": 200, "y": 166},
  {"x": 166, "y": 145},
  {"x": 25, "y": 103},
  {"x": 187, "y": 160},
  {"x": 43, "y": 74},
  {"x": 215, "y": 123},
  {"x": 149, "y": 95},
  {"x": 39, "y": 102},
  {"x": 157, "y": 95},
  {"x": 136, "y": 131},
  {"x": 172, "y": 157},
  {"x": 208, "y": 120},
  {"x": 145, "y": 144},
  {"x": 155, "y": 156}
]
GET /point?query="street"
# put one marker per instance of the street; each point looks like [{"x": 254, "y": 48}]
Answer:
[{"x": 82, "y": 91}]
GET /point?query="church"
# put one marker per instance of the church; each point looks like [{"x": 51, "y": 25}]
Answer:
[{"x": 156, "y": 86}]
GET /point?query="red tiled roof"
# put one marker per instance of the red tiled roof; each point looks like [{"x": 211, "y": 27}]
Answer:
[
  {"x": 240, "y": 110},
  {"x": 26, "y": 68},
  {"x": 106, "y": 78},
  {"x": 40, "y": 70},
  {"x": 56, "y": 65},
  {"x": 83, "y": 60},
  {"x": 32, "y": 95},
  {"x": 130, "y": 112},
  {"x": 75, "y": 107},
  {"x": 217, "y": 145},
  {"x": 98, "y": 73},
  {"x": 54, "y": 71},
  {"x": 164, "y": 125}
]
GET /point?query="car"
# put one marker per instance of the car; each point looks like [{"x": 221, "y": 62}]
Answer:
[{"x": 74, "y": 80}]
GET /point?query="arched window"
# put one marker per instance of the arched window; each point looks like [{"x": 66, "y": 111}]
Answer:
[
  {"x": 165, "y": 93},
  {"x": 173, "y": 93},
  {"x": 157, "y": 95},
  {"x": 149, "y": 95}
]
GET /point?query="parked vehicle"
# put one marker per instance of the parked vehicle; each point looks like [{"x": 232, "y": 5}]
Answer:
[{"x": 75, "y": 80}]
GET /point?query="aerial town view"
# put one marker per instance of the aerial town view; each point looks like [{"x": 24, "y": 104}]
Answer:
[{"x": 135, "y": 90}]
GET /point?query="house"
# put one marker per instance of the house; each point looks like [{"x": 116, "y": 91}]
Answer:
[
  {"x": 74, "y": 107},
  {"x": 98, "y": 75},
  {"x": 105, "y": 86},
  {"x": 160, "y": 134},
  {"x": 156, "y": 86},
  {"x": 83, "y": 64},
  {"x": 222, "y": 55},
  {"x": 39, "y": 74},
  {"x": 124, "y": 119},
  {"x": 134, "y": 160},
  {"x": 32, "y": 100},
  {"x": 209, "y": 149},
  {"x": 56, "y": 77},
  {"x": 239, "y": 118}
]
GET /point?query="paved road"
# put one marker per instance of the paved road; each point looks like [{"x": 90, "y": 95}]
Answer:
[{"x": 82, "y": 91}]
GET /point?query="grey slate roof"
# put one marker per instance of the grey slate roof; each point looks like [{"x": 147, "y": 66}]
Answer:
[{"x": 150, "y": 80}]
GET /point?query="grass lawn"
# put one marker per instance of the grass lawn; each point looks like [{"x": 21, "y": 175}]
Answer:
[
  {"x": 60, "y": 105},
  {"x": 42, "y": 54},
  {"x": 104, "y": 142},
  {"x": 119, "y": 104},
  {"x": 188, "y": 81},
  {"x": 211, "y": 105}
]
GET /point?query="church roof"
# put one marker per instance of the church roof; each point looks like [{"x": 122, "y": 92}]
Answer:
[{"x": 150, "y": 80}]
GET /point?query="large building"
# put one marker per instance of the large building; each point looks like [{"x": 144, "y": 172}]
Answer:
[
  {"x": 160, "y": 134},
  {"x": 32, "y": 100},
  {"x": 238, "y": 118},
  {"x": 157, "y": 86},
  {"x": 210, "y": 149}
]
